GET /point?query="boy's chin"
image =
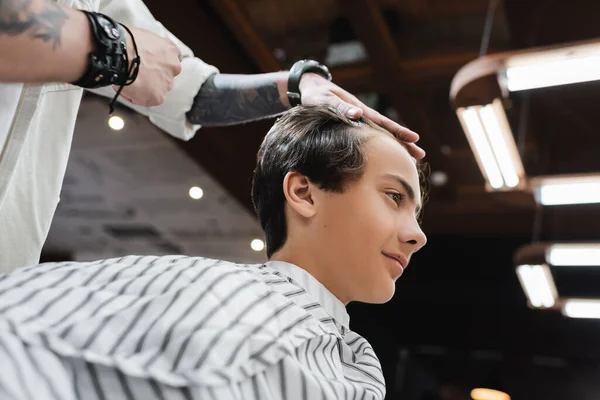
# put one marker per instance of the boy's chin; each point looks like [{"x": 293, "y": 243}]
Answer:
[{"x": 380, "y": 295}]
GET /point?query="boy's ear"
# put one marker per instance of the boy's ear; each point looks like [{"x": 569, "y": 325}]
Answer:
[{"x": 299, "y": 193}]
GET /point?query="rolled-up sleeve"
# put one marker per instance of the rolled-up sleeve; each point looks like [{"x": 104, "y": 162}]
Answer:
[{"x": 171, "y": 115}]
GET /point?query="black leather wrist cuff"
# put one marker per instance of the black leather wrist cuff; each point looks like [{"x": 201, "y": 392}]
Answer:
[
  {"x": 109, "y": 62},
  {"x": 298, "y": 69}
]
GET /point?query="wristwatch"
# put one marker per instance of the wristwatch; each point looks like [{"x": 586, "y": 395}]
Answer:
[{"x": 298, "y": 69}]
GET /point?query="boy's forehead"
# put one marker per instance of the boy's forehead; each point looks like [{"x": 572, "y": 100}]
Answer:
[
  {"x": 391, "y": 156},
  {"x": 374, "y": 131}
]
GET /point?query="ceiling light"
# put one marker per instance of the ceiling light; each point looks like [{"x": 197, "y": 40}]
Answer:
[
  {"x": 500, "y": 136},
  {"x": 257, "y": 245},
  {"x": 116, "y": 123},
  {"x": 446, "y": 150},
  {"x": 196, "y": 193},
  {"x": 351, "y": 52},
  {"x": 575, "y": 189},
  {"x": 486, "y": 79},
  {"x": 279, "y": 54},
  {"x": 438, "y": 178},
  {"x": 481, "y": 146},
  {"x": 492, "y": 142},
  {"x": 488, "y": 394},
  {"x": 564, "y": 66},
  {"x": 582, "y": 308},
  {"x": 575, "y": 254},
  {"x": 538, "y": 285}
]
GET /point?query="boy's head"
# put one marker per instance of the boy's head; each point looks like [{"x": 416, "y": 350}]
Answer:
[{"x": 339, "y": 198}]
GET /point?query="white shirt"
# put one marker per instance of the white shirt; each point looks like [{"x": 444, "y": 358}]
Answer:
[
  {"x": 36, "y": 129},
  {"x": 177, "y": 327},
  {"x": 9, "y": 100}
]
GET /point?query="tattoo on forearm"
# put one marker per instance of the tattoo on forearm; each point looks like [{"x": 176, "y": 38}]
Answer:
[
  {"x": 233, "y": 99},
  {"x": 17, "y": 18}
]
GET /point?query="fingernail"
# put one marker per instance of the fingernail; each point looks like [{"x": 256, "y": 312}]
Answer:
[{"x": 353, "y": 112}]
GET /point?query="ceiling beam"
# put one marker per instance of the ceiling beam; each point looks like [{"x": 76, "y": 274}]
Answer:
[
  {"x": 371, "y": 29},
  {"x": 415, "y": 71},
  {"x": 238, "y": 23},
  {"x": 203, "y": 33}
]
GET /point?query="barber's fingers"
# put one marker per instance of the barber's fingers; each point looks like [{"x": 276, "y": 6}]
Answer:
[
  {"x": 398, "y": 130},
  {"x": 349, "y": 110},
  {"x": 415, "y": 151},
  {"x": 401, "y": 132}
]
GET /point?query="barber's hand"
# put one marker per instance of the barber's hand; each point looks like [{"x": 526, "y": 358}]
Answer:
[
  {"x": 160, "y": 64},
  {"x": 317, "y": 90}
]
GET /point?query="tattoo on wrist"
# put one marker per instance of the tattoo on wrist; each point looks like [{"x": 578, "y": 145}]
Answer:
[
  {"x": 232, "y": 99},
  {"x": 17, "y": 18}
]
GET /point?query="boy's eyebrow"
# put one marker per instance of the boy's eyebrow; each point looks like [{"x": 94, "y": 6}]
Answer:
[{"x": 409, "y": 189}]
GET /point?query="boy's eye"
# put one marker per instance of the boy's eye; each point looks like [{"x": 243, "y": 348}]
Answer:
[{"x": 396, "y": 197}]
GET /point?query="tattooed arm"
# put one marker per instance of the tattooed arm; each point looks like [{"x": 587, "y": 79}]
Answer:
[
  {"x": 41, "y": 41},
  {"x": 233, "y": 99}
]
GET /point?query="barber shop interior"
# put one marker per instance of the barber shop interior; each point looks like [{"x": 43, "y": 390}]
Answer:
[{"x": 474, "y": 276}]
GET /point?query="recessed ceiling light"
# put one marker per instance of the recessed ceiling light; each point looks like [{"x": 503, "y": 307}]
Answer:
[
  {"x": 116, "y": 123},
  {"x": 196, "y": 193},
  {"x": 438, "y": 178},
  {"x": 257, "y": 245}
]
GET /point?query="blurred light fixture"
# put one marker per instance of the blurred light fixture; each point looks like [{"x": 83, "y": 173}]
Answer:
[
  {"x": 565, "y": 65},
  {"x": 352, "y": 52},
  {"x": 257, "y": 245},
  {"x": 196, "y": 193},
  {"x": 538, "y": 285},
  {"x": 567, "y": 189},
  {"x": 488, "y": 394},
  {"x": 279, "y": 54},
  {"x": 574, "y": 254},
  {"x": 533, "y": 270},
  {"x": 475, "y": 94},
  {"x": 115, "y": 122},
  {"x": 438, "y": 178},
  {"x": 582, "y": 308},
  {"x": 492, "y": 142}
]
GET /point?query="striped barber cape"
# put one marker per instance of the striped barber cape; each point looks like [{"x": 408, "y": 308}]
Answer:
[{"x": 176, "y": 327}]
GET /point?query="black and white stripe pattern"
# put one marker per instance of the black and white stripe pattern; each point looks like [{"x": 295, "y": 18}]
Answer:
[{"x": 178, "y": 328}]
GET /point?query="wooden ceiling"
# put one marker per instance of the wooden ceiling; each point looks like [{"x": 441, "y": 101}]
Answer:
[
  {"x": 462, "y": 292},
  {"x": 414, "y": 48}
]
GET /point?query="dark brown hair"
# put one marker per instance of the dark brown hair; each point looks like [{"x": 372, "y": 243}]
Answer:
[{"x": 315, "y": 141}]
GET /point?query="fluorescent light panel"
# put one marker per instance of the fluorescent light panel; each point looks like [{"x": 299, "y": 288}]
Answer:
[
  {"x": 491, "y": 140},
  {"x": 481, "y": 146},
  {"x": 502, "y": 141},
  {"x": 582, "y": 308},
  {"x": 555, "y": 72},
  {"x": 573, "y": 254},
  {"x": 537, "y": 284},
  {"x": 562, "y": 65},
  {"x": 568, "y": 190}
]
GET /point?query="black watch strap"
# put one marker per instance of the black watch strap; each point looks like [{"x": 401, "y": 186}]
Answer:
[
  {"x": 298, "y": 69},
  {"x": 109, "y": 62}
]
